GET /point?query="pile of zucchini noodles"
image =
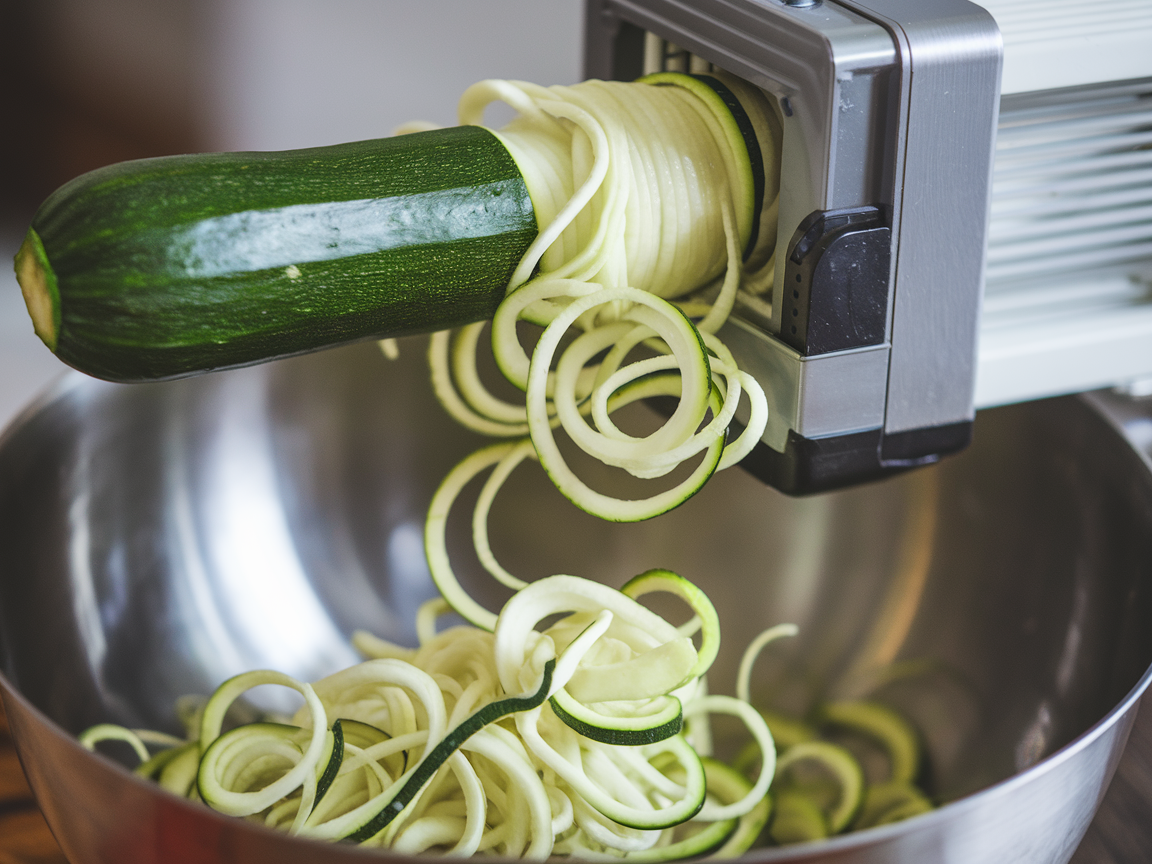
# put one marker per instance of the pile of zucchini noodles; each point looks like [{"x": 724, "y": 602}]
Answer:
[
  {"x": 583, "y": 739},
  {"x": 590, "y": 737}
]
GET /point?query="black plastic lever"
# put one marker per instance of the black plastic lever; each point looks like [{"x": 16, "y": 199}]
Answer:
[{"x": 835, "y": 293}]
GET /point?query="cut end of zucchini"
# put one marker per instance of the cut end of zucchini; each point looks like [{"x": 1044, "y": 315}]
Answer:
[
  {"x": 38, "y": 284},
  {"x": 748, "y": 184}
]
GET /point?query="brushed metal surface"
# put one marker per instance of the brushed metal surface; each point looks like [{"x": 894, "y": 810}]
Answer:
[
  {"x": 828, "y": 394},
  {"x": 154, "y": 539},
  {"x": 834, "y": 74},
  {"x": 953, "y": 52}
]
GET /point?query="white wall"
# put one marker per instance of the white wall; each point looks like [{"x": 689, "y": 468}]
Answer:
[
  {"x": 26, "y": 366},
  {"x": 302, "y": 73}
]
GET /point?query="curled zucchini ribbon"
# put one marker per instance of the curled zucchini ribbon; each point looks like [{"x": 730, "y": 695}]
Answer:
[
  {"x": 821, "y": 787},
  {"x": 407, "y": 749},
  {"x": 643, "y": 195}
]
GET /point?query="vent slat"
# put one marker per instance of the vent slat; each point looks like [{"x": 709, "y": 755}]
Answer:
[
  {"x": 1075, "y": 152},
  {"x": 1072, "y": 188},
  {"x": 1008, "y": 188},
  {"x": 1052, "y": 205},
  {"x": 1074, "y": 126},
  {"x": 1076, "y": 167},
  {"x": 1067, "y": 264},
  {"x": 1053, "y": 244},
  {"x": 1107, "y": 291},
  {"x": 1068, "y": 227},
  {"x": 1020, "y": 109}
]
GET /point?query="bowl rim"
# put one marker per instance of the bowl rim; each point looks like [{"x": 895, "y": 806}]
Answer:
[
  {"x": 72, "y": 380},
  {"x": 866, "y": 837},
  {"x": 878, "y": 834}
]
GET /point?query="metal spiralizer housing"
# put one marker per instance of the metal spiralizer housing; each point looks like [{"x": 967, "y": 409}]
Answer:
[{"x": 965, "y": 210}]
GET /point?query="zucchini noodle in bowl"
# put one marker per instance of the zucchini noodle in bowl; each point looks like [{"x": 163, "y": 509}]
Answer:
[{"x": 588, "y": 738}]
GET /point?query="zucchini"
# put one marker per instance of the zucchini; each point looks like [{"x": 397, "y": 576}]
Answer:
[
  {"x": 730, "y": 786},
  {"x": 892, "y": 732},
  {"x": 843, "y": 768},
  {"x": 152, "y": 769},
  {"x": 161, "y": 268},
  {"x": 797, "y": 819},
  {"x": 890, "y": 802},
  {"x": 748, "y": 180},
  {"x": 328, "y": 777},
  {"x": 663, "y": 721},
  {"x": 111, "y": 732},
  {"x": 364, "y": 735},
  {"x": 389, "y": 809},
  {"x": 661, "y": 580},
  {"x": 248, "y": 759},
  {"x": 180, "y": 773}
]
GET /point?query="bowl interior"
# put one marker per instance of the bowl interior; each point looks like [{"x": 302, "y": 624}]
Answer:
[{"x": 157, "y": 539}]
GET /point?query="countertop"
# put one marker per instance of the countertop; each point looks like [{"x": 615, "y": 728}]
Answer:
[
  {"x": 1121, "y": 833},
  {"x": 24, "y": 835}
]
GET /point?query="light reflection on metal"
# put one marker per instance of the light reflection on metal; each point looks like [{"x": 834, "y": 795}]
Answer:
[
  {"x": 193, "y": 605},
  {"x": 889, "y": 629},
  {"x": 84, "y": 594},
  {"x": 411, "y": 582},
  {"x": 255, "y": 572},
  {"x": 1033, "y": 744}
]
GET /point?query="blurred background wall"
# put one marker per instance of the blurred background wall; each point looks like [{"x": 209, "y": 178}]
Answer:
[{"x": 84, "y": 83}]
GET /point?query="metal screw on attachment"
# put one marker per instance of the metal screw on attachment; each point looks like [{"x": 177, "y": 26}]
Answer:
[{"x": 799, "y": 3}]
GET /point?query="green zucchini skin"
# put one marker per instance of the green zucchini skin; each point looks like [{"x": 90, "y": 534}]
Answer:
[{"x": 163, "y": 268}]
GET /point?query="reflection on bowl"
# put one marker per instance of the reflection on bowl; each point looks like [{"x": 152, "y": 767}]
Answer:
[{"x": 156, "y": 539}]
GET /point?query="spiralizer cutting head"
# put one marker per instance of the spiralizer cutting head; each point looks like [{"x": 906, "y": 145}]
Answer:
[{"x": 938, "y": 160}]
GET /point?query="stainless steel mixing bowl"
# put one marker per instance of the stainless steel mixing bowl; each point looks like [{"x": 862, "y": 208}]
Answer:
[{"x": 155, "y": 539}]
